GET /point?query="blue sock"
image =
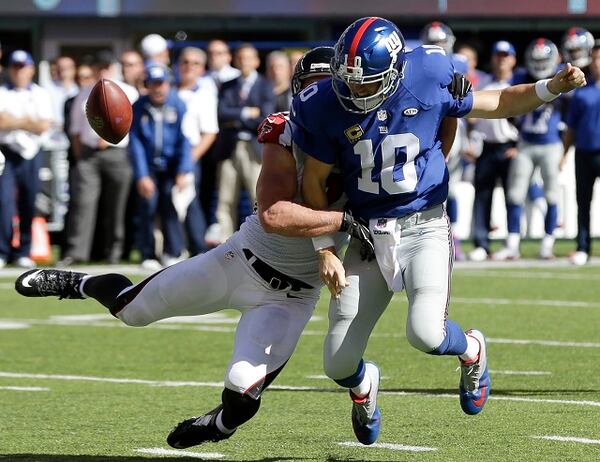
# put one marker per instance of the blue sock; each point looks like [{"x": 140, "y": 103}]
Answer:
[
  {"x": 355, "y": 379},
  {"x": 454, "y": 344},
  {"x": 551, "y": 219},
  {"x": 513, "y": 216}
]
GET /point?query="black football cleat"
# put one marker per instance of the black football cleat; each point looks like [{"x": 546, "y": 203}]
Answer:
[
  {"x": 197, "y": 430},
  {"x": 49, "y": 282}
]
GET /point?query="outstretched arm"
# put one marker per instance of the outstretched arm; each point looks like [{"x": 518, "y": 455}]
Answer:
[
  {"x": 275, "y": 192},
  {"x": 521, "y": 99}
]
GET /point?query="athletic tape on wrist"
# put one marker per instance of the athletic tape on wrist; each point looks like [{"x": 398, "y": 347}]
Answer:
[
  {"x": 542, "y": 92},
  {"x": 323, "y": 242}
]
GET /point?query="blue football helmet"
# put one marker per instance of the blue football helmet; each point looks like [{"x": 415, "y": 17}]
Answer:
[
  {"x": 438, "y": 33},
  {"x": 577, "y": 44},
  {"x": 541, "y": 58},
  {"x": 370, "y": 51}
]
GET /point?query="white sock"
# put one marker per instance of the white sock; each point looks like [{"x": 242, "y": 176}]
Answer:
[
  {"x": 472, "y": 350},
  {"x": 363, "y": 388},
  {"x": 219, "y": 423},
  {"x": 81, "y": 283},
  {"x": 513, "y": 240}
]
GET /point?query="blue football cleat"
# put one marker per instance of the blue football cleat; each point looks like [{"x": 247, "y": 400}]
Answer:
[
  {"x": 475, "y": 383},
  {"x": 366, "y": 418}
]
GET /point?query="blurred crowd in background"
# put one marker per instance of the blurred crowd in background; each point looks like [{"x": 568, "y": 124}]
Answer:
[{"x": 184, "y": 179}]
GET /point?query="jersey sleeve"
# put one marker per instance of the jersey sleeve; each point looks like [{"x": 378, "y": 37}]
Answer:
[
  {"x": 307, "y": 131},
  {"x": 275, "y": 129},
  {"x": 460, "y": 107}
]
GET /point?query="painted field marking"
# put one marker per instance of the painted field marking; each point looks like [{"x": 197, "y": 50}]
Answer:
[
  {"x": 534, "y": 373},
  {"x": 114, "y": 324},
  {"x": 170, "y": 383},
  {"x": 392, "y": 446},
  {"x": 567, "y": 439},
  {"x": 177, "y": 452},
  {"x": 512, "y": 301},
  {"x": 25, "y": 388},
  {"x": 530, "y": 275}
]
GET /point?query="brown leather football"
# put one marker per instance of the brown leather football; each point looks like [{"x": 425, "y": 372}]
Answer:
[{"x": 108, "y": 111}]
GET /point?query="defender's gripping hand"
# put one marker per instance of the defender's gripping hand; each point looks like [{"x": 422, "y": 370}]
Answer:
[
  {"x": 460, "y": 86},
  {"x": 358, "y": 230}
]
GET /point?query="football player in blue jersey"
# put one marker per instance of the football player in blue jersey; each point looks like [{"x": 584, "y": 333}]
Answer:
[
  {"x": 438, "y": 33},
  {"x": 378, "y": 117},
  {"x": 540, "y": 146}
]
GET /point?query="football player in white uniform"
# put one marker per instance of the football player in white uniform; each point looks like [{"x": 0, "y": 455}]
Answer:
[{"x": 272, "y": 279}]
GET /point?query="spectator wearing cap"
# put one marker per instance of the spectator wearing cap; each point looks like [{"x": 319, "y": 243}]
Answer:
[
  {"x": 499, "y": 147},
  {"x": 162, "y": 164},
  {"x": 243, "y": 104},
  {"x": 25, "y": 115},
  {"x": 219, "y": 62},
  {"x": 199, "y": 93},
  {"x": 583, "y": 121},
  {"x": 155, "y": 49},
  {"x": 102, "y": 171}
]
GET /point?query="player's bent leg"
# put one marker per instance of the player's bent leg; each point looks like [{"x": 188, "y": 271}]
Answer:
[
  {"x": 200, "y": 285},
  {"x": 427, "y": 278}
]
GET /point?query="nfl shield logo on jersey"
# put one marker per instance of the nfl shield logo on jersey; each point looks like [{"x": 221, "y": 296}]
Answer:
[{"x": 382, "y": 115}]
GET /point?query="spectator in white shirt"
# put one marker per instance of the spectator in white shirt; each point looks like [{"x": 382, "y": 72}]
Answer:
[{"x": 25, "y": 115}]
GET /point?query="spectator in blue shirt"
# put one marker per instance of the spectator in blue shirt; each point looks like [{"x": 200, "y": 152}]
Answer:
[
  {"x": 583, "y": 120},
  {"x": 161, "y": 157}
]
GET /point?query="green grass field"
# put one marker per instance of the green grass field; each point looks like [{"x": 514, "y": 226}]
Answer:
[{"x": 76, "y": 385}]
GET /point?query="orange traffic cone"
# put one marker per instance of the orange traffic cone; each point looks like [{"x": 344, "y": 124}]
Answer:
[{"x": 41, "y": 251}]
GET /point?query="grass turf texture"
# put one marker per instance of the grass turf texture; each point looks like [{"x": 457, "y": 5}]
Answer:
[{"x": 93, "y": 421}]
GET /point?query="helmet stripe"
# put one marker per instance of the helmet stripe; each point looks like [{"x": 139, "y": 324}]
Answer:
[{"x": 356, "y": 40}]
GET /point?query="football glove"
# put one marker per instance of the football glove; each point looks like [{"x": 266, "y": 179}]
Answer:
[
  {"x": 460, "y": 86},
  {"x": 360, "y": 231}
]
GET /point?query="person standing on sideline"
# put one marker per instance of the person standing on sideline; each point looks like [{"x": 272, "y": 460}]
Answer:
[
  {"x": 101, "y": 178},
  {"x": 499, "y": 147},
  {"x": 161, "y": 156},
  {"x": 219, "y": 63},
  {"x": 25, "y": 115},
  {"x": 243, "y": 104},
  {"x": 199, "y": 94},
  {"x": 583, "y": 120},
  {"x": 279, "y": 72}
]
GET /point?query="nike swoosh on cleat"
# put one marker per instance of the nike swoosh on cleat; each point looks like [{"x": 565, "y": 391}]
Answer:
[
  {"x": 25, "y": 281},
  {"x": 479, "y": 402}
]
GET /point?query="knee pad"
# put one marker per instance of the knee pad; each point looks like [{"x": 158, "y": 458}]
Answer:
[{"x": 238, "y": 408}]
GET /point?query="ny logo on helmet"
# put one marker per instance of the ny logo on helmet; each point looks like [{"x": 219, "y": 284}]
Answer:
[{"x": 394, "y": 45}]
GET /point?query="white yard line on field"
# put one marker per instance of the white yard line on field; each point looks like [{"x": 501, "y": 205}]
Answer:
[
  {"x": 25, "y": 388},
  {"x": 177, "y": 452},
  {"x": 513, "y": 301},
  {"x": 553, "y": 343},
  {"x": 530, "y": 275},
  {"x": 566, "y": 439},
  {"x": 496, "y": 372},
  {"x": 392, "y": 446},
  {"x": 170, "y": 383}
]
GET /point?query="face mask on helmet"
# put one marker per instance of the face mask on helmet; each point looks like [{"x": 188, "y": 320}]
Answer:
[
  {"x": 541, "y": 58},
  {"x": 437, "y": 33},
  {"x": 367, "y": 65},
  {"x": 577, "y": 47},
  {"x": 313, "y": 63}
]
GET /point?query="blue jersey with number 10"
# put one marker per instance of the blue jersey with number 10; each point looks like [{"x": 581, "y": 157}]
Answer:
[{"x": 391, "y": 159}]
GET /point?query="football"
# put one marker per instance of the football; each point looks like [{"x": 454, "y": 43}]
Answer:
[{"x": 108, "y": 111}]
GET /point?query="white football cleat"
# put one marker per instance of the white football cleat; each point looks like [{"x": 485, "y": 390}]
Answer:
[
  {"x": 579, "y": 258},
  {"x": 506, "y": 253},
  {"x": 478, "y": 254}
]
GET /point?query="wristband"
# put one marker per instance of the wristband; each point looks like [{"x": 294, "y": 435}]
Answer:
[
  {"x": 323, "y": 242},
  {"x": 542, "y": 92}
]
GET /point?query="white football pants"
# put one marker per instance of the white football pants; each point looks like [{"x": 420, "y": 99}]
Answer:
[{"x": 270, "y": 323}]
